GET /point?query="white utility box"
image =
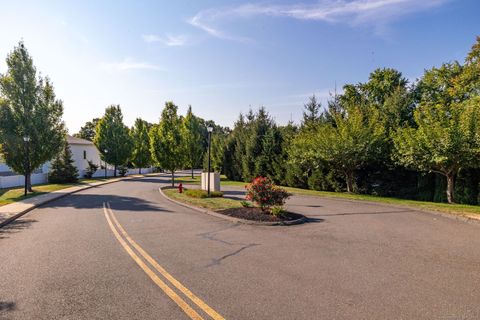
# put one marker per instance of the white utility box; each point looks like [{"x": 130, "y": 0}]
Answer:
[{"x": 214, "y": 181}]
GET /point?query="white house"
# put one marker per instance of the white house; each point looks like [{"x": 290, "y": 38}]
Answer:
[{"x": 82, "y": 152}]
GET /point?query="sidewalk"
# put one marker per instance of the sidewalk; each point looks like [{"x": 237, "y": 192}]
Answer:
[{"x": 13, "y": 211}]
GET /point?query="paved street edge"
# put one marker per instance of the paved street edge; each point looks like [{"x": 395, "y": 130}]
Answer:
[{"x": 64, "y": 193}]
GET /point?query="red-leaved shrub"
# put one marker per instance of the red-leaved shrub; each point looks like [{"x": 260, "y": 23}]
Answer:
[{"x": 266, "y": 194}]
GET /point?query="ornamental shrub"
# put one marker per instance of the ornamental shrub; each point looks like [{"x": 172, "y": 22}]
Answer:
[{"x": 266, "y": 194}]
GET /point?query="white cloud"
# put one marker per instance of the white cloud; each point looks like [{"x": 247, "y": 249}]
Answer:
[
  {"x": 149, "y": 38},
  {"x": 129, "y": 64},
  {"x": 169, "y": 40},
  {"x": 377, "y": 13}
]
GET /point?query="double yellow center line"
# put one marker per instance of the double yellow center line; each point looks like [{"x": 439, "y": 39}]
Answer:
[{"x": 129, "y": 245}]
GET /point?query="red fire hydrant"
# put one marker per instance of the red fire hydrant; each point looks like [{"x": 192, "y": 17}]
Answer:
[{"x": 180, "y": 188}]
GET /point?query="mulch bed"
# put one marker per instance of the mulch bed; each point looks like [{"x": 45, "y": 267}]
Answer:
[{"x": 256, "y": 214}]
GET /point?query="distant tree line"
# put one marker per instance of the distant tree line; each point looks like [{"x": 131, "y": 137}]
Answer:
[
  {"x": 174, "y": 143},
  {"x": 385, "y": 137}
]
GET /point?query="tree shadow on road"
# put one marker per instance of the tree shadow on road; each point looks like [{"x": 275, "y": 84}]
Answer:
[
  {"x": 365, "y": 213},
  {"x": 158, "y": 180},
  {"x": 6, "y": 306},
  {"x": 15, "y": 226},
  {"x": 95, "y": 201}
]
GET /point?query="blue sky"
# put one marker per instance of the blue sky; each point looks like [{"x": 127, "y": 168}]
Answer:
[{"x": 223, "y": 57}]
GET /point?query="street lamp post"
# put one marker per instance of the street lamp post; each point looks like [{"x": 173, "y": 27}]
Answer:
[
  {"x": 26, "y": 169},
  {"x": 105, "y": 161},
  {"x": 209, "y": 129}
]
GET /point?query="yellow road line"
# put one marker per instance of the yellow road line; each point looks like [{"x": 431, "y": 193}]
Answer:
[
  {"x": 168, "y": 291},
  {"x": 212, "y": 313}
]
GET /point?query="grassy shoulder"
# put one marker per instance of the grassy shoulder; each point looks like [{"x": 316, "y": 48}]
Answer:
[
  {"x": 12, "y": 195},
  {"x": 214, "y": 204},
  {"x": 196, "y": 181},
  {"x": 459, "y": 209}
]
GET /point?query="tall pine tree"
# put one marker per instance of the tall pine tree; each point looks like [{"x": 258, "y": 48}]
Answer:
[{"x": 63, "y": 169}]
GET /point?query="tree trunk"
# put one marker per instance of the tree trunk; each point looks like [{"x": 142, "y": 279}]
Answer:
[
  {"x": 349, "y": 181},
  {"x": 115, "y": 171},
  {"x": 139, "y": 170},
  {"x": 192, "y": 173},
  {"x": 29, "y": 182},
  {"x": 173, "y": 178},
  {"x": 450, "y": 187}
]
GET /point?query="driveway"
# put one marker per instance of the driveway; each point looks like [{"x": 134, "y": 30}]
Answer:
[{"x": 354, "y": 260}]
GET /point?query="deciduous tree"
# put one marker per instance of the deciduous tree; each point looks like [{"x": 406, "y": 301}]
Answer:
[
  {"x": 445, "y": 140},
  {"x": 87, "y": 132},
  {"x": 347, "y": 145},
  {"x": 141, "y": 156},
  {"x": 193, "y": 139},
  {"x": 166, "y": 141},
  {"x": 28, "y": 109},
  {"x": 112, "y": 138}
]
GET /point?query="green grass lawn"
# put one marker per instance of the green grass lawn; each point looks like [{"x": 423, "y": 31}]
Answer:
[
  {"x": 214, "y": 204},
  {"x": 458, "y": 209},
  {"x": 187, "y": 180},
  {"x": 196, "y": 181},
  {"x": 16, "y": 194}
]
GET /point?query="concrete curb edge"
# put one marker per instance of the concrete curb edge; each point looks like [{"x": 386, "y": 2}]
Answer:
[{"x": 231, "y": 219}]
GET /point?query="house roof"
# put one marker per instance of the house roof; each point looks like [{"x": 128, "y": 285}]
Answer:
[{"x": 75, "y": 140}]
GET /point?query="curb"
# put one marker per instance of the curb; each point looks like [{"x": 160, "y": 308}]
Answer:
[
  {"x": 88, "y": 186},
  {"x": 232, "y": 219}
]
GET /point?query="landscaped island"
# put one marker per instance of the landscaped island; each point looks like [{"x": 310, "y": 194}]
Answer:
[{"x": 264, "y": 202}]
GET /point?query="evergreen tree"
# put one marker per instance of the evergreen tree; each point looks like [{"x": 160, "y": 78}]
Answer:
[
  {"x": 63, "y": 169},
  {"x": 312, "y": 112},
  {"x": 262, "y": 143}
]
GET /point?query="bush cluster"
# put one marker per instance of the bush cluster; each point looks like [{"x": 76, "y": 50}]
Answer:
[
  {"x": 197, "y": 193},
  {"x": 266, "y": 194}
]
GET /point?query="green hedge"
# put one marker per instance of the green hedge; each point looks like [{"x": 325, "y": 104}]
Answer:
[{"x": 197, "y": 193}]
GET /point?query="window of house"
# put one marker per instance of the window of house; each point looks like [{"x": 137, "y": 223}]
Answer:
[{"x": 85, "y": 154}]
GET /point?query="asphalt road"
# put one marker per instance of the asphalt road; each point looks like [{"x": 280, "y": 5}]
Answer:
[{"x": 75, "y": 259}]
